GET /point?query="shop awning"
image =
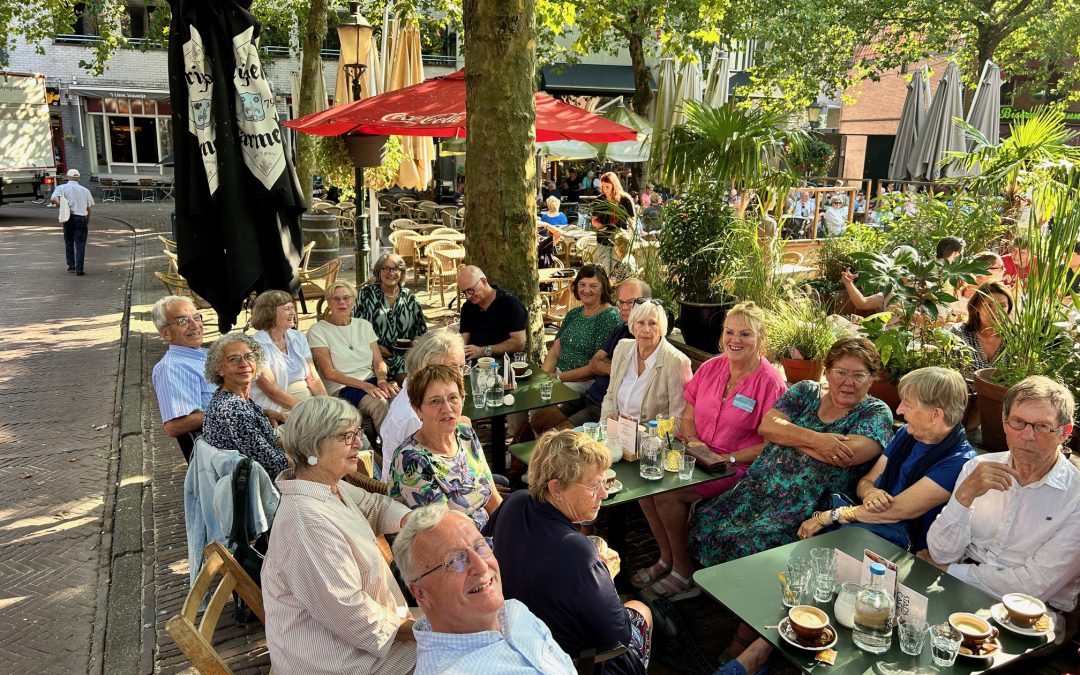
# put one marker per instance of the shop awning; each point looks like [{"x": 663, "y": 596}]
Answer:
[
  {"x": 589, "y": 78},
  {"x": 105, "y": 91}
]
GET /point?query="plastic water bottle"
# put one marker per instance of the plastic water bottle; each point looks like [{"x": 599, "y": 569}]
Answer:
[
  {"x": 873, "y": 626},
  {"x": 495, "y": 388},
  {"x": 650, "y": 456}
]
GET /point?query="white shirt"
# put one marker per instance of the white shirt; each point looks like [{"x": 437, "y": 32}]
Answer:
[
  {"x": 79, "y": 198},
  {"x": 400, "y": 423},
  {"x": 835, "y": 218},
  {"x": 287, "y": 367},
  {"x": 1026, "y": 538},
  {"x": 350, "y": 348},
  {"x": 632, "y": 389}
]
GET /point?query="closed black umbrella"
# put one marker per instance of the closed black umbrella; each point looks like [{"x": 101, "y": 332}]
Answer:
[{"x": 237, "y": 196}]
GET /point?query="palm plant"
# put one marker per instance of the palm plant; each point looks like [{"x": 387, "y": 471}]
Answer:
[{"x": 730, "y": 146}]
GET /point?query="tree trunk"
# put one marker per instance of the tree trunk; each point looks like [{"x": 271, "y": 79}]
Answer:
[
  {"x": 314, "y": 36},
  {"x": 643, "y": 96},
  {"x": 500, "y": 64}
]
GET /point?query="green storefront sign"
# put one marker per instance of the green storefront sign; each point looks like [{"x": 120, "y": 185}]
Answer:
[{"x": 1009, "y": 113}]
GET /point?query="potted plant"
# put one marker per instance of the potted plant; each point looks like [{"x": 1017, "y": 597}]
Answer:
[
  {"x": 1041, "y": 337},
  {"x": 833, "y": 256},
  {"x": 906, "y": 334},
  {"x": 799, "y": 334}
]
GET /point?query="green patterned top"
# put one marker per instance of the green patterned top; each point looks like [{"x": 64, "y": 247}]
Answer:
[
  {"x": 582, "y": 336},
  {"x": 403, "y": 320}
]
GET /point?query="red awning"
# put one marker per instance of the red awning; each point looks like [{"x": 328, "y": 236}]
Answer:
[{"x": 436, "y": 108}]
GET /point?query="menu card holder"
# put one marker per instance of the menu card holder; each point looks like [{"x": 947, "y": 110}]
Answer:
[{"x": 705, "y": 458}]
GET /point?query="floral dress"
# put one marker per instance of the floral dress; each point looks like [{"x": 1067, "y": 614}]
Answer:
[
  {"x": 236, "y": 423},
  {"x": 783, "y": 486},
  {"x": 402, "y": 321},
  {"x": 463, "y": 482}
]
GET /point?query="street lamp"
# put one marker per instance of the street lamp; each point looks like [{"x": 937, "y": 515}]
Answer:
[{"x": 354, "y": 36}]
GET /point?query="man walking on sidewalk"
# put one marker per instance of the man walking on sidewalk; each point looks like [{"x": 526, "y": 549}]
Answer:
[{"x": 76, "y": 227}]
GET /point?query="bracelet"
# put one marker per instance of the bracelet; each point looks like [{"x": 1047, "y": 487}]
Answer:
[
  {"x": 817, "y": 517},
  {"x": 848, "y": 513}
]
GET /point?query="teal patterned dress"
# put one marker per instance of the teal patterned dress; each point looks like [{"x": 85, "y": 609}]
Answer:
[
  {"x": 582, "y": 336},
  {"x": 405, "y": 320},
  {"x": 783, "y": 486},
  {"x": 463, "y": 482}
]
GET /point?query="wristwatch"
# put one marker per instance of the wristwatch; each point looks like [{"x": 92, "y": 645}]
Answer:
[
  {"x": 834, "y": 515},
  {"x": 487, "y": 351},
  {"x": 731, "y": 459}
]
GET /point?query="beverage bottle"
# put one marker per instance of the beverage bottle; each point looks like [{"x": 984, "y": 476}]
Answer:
[
  {"x": 873, "y": 626},
  {"x": 650, "y": 455},
  {"x": 495, "y": 388}
]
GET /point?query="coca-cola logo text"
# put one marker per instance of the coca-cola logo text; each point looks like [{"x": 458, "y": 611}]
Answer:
[{"x": 445, "y": 118}]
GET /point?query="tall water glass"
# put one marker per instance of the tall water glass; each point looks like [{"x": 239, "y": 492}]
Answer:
[
  {"x": 799, "y": 574},
  {"x": 476, "y": 385},
  {"x": 944, "y": 644},
  {"x": 824, "y": 564},
  {"x": 912, "y": 635}
]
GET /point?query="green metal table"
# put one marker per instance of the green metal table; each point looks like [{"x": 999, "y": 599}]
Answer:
[
  {"x": 634, "y": 488},
  {"x": 526, "y": 397},
  {"x": 749, "y": 587}
]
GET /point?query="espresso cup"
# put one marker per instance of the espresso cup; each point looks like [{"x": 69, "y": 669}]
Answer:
[
  {"x": 519, "y": 367},
  {"x": 974, "y": 631},
  {"x": 808, "y": 622},
  {"x": 403, "y": 343},
  {"x": 485, "y": 361},
  {"x": 1024, "y": 610}
]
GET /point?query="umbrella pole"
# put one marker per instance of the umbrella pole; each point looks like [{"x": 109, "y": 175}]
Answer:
[{"x": 361, "y": 241}]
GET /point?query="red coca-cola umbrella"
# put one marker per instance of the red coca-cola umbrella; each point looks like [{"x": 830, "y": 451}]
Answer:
[{"x": 436, "y": 108}]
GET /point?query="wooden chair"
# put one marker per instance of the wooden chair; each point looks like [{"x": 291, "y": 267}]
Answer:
[
  {"x": 448, "y": 215},
  {"x": 346, "y": 226},
  {"x": 319, "y": 206},
  {"x": 315, "y": 282},
  {"x": 305, "y": 256},
  {"x": 444, "y": 230},
  {"x": 442, "y": 268},
  {"x": 404, "y": 242},
  {"x": 428, "y": 212},
  {"x": 194, "y": 635},
  {"x": 148, "y": 189},
  {"x": 174, "y": 262},
  {"x": 559, "y": 301},
  {"x": 169, "y": 243},
  {"x": 110, "y": 190},
  {"x": 590, "y": 661},
  {"x": 404, "y": 224},
  {"x": 178, "y": 285}
]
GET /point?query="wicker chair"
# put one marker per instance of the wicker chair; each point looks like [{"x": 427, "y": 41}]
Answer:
[
  {"x": 315, "y": 282},
  {"x": 442, "y": 268}
]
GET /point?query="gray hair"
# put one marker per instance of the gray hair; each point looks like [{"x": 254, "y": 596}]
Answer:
[
  {"x": 160, "y": 311},
  {"x": 430, "y": 348},
  {"x": 381, "y": 261},
  {"x": 311, "y": 422},
  {"x": 215, "y": 355},
  {"x": 645, "y": 311},
  {"x": 422, "y": 520},
  {"x": 936, "y": 387},
  {"x": 1042, "y": 389},
  {"x": 644, "y": 290}
]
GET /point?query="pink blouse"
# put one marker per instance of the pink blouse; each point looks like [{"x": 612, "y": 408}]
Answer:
[{"x": 731, "y": 424}]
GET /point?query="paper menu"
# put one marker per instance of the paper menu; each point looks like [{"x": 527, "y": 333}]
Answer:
[
  {"x": 627, "y": 434},
  {"x": 847, "y": 568}
]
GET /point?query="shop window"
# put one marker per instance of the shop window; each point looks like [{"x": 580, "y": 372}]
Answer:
[
  {"x": 101, "y": 138},
  {"x": 164, "y": 136},
  {"x": 120, "y": 140},
  {"x": 146, "y": 135}
]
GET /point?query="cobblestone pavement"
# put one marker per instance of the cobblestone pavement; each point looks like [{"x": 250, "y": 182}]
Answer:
[{"x": 60, "y": 339}]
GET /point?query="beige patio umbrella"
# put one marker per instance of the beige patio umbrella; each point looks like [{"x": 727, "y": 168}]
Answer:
[
  {"x": 716, "y": 80},
  {"x": 405, "y": 70},
  {"x": 320, "y": 86}
]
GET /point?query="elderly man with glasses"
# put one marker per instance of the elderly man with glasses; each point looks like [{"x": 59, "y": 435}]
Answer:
[
  {"x": 182, "y": 389},
  {"x": 493, "y": 320},
  {"x": 468, "y": 627},
  {"x": 1013, "y": 521}
]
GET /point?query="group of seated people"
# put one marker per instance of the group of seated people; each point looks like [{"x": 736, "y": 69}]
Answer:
[{"x": 516, "y": 574}]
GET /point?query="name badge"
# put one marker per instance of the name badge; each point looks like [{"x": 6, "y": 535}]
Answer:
[{"x": 744, "y": 403}]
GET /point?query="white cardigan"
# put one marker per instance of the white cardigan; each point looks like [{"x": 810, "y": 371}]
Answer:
[{"x": 664, "y": 390}]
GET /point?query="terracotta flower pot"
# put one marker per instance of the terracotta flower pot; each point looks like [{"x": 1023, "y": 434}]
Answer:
[
  {"x": 797, "y": 370},
  {"x": 887, "y": 393},
  {"x": 991, "y": 397}
]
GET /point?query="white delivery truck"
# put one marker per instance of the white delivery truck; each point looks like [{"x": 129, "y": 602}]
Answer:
[{"x": 27, "y": 166}]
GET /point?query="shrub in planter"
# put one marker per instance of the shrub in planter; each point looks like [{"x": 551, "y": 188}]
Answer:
[{"x": 798, "y": 333}]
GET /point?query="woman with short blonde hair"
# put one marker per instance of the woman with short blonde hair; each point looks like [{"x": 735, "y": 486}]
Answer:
[
  {"x": 554, "y": 569},
  {"x": 288, "y": 374}
]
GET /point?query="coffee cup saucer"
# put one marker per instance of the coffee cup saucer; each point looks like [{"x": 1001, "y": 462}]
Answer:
[
  {"x": 1001, "y": 617},
  {"x": 988, "y": 649},
  {"x": 787, "y": 633},
  {"x": 527, "y": 373}
]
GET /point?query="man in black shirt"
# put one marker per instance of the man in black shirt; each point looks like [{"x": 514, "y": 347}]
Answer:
[{"x": 493, "y": 321}]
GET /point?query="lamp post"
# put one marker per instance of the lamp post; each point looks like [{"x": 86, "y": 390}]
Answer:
[{"x": 354, "y": 34}]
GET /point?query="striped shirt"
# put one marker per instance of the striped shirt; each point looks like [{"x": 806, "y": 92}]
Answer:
[
  {"x": 332, "y": 604},
  {"x": 180, "y": 384},
  {"x": 523, "y": 644}
]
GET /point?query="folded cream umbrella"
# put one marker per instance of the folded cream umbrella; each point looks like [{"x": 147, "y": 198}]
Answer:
[
  {"x": 912, "y": 121},
  {"x": 407, "y": 70},
  {"x": 940, "y": 135}
]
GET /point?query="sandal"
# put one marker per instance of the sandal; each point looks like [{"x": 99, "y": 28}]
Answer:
[
  {"x": 675, "y": 587},
  {"x": 644, "y": 576}
]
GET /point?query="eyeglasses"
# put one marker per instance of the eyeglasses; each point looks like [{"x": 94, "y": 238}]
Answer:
[
  {"x": 594, "y": 489},
  {"x": 348, "y": 437},
  {"x": 628, "y": 303},
  {"x": 392, "y": 270},
  {"x": 458, "y": 561},
  {"x": 452, "y": 399},
  {"x": 469, "y": 292},
  {"x": 185, "y": 320},
  {"x": 342, "y": 298},
  {"x": 1044, "y": 429},
  {"x": 858, "y": 377},
  {"x": 237, "y": 359}
]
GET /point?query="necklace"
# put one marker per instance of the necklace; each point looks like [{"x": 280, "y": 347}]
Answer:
[{"x": 346, "y": 334}]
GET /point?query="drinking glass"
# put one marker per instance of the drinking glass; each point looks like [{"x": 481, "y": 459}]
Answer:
[
  {"x": 476, "y": 386},
  {"x": 799, "y": 573},
  {"x": 944, "y": 644},
  {"x": 686, "y": 470},
  {"x": 823, "y": 561},
  {"x": 912, "y": 635},
  {"x": 545, "y": 390},
  {"x": 519, "y": 357}
]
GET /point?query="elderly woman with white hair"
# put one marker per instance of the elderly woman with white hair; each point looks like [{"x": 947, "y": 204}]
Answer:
[
  {"x": 648, "y": 374},
  {"x": 904, "y": 491},
  {"x": 392, "y": 310},
  {"x": 332, "y": 603},
  {"x": 232, "y": 420},
  {"x": 289, "y": 375},
  {"x": 434, "y": 348}
]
